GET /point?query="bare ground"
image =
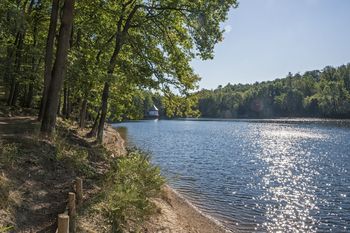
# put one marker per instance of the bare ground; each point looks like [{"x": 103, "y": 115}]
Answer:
[
  {"x": 177, "y": 215},
  {"x": 39, "y": 184}
]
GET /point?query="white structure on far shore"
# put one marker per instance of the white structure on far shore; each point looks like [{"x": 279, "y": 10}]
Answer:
[{"x": 153, "y": 112}]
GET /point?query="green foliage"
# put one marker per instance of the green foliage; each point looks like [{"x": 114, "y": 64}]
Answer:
[
  {"x": 9, "y": 152},
  {"x": 133, "y": 180},
  {"x": 74, "y": 156},
  {"x": 4, "y": 192},
  {"x": 141, "y": 48},
  {"x": 6, "y": 229},
  {"x": 316, "y": 93}
]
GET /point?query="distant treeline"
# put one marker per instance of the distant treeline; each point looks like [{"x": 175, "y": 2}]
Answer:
[{"x": 324, "y": 93}]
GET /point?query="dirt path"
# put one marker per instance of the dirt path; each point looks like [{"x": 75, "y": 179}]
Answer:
[{"x": 38, "y": 182}]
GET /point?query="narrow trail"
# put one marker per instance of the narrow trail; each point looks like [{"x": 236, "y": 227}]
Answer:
[{"x": 39, "y": 183}]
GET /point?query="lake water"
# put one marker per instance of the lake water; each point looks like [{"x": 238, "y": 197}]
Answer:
[{"x": 256, "y": 175}]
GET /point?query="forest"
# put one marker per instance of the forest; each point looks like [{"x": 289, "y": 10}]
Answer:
[
  {"x": 324, "y": 93},
  {"x": 67, "y": 68},
  {"x": 317, "y": 93},
  {"x": 92, "y": 60}
]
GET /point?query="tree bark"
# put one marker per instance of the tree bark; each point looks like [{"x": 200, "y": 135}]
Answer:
[
  {"x": 29, "y": 99},
  {"x": 48, "y": 55},
  {"x": 15, "y": 94},
  {"x": 69, "y": 106},
  {"x": 14, "y": 83},
  {"x": 12, "y": 92},
  {"x": 93, "y": 130},
  {"x": 65, "y": 101},
  {"x": 105, "y": 93},
  {"x": 25, "y": 96},
  {"x": 59, "y": 104},
  {"x": 83, "y": 113},
  {"x": 104, "y": 107},
  {"x": 8, "y": 65},
  {"x": 119, "y": 42},
  {"x": 50, "y": 112}
]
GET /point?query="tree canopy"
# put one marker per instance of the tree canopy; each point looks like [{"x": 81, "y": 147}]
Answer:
[
  {"x": 85, "y": 58},
  {"x": 324, "y": 93}
]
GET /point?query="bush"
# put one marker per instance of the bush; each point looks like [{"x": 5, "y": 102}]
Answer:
[
  {"x": 133, "y": 180},
  {"x": 4, "y": 192},
  {"x": 77, "y": 157},
  {"x": 8, "y": 153}
]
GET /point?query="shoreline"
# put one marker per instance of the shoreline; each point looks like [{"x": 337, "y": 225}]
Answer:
[
  {"x": 197, "y": 209},
  {"x": 179, "y": 215},
  {"x": 175, "y": 213}
]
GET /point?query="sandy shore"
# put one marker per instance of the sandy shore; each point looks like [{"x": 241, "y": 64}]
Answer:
[{"x": 177, "y": 215}]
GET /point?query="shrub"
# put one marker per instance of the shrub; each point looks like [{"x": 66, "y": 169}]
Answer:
[
  {"x": 4, "y": 192},
  {"x": 77, "y": 157},
  {"x": 133, "y": 180},
  {"x": 8, "y": 153}
]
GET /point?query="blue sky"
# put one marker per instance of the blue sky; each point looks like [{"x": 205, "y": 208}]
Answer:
[{"x": 266, "y": 39}]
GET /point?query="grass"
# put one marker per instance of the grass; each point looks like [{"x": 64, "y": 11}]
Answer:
[
  {"x": 4, "y": 192},
  {"x": 126, "y": 193},
  {"x": 77, "y": 157},
  {"x": 9, "y": 152},
  {"x": 118, "y": 190},
  {"x": 133, "y": 180}
]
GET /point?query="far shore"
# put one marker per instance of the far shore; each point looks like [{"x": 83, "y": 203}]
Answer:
[{"x": 262, "y": 120}]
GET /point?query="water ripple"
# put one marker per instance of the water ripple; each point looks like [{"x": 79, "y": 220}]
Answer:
[{"x": 274, "y": 176}]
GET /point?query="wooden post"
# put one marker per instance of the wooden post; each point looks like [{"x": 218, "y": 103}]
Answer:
[
  {"x": 63, "y": 223},
  {"x": 79, "y": 190},
  {"x": 71, "y": 211}
]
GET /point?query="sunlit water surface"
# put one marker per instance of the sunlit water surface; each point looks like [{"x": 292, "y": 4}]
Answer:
[{"x": 287, "y": 176}]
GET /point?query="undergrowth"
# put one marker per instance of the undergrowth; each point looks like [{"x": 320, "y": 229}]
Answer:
[
  {"x": 8, "y": 153},
  {"x": 127, "y": 184},
  {"x": 131, "y": 183},
  {"x": 74, "y": 156}
]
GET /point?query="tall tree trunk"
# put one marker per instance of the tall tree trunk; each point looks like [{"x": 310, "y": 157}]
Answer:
[
  {"x": 50, "y": 112},
  {"x": 25, "y": 95},
  {"x": 59, "y": 104},
  {"x": 48, "y": 55},
  {"x": 14, "y": 83},
  {"x": 65, "y": 105},
  {"x": 93, "y": 130},
  {"x": 29, "y": 99},
  {"x": 104, "y": 107},
  {"x": 15, "y": 94},
  {"x": 105, "y": 93},
  {"x": 8, "y": 66},
  {"x": 69, "y": 105},
  {"x": 83, "y": 113},
  {"x": 119, "y": 42},
  {"x": 12, "y": 92}
]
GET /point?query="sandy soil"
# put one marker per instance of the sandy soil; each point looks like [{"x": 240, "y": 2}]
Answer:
[
  {"x": 38, "y": 184},
  {"x": 42, "y": 187},
  {"x": 177, "y": 215}
]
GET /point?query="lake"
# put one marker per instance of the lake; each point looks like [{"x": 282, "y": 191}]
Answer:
[{"x": 256, "y": 175}]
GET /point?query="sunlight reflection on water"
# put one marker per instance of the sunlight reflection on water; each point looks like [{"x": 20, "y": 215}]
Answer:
[
  {"x": 290, "y": 192},
  {"x": 256, "y": 176}
]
